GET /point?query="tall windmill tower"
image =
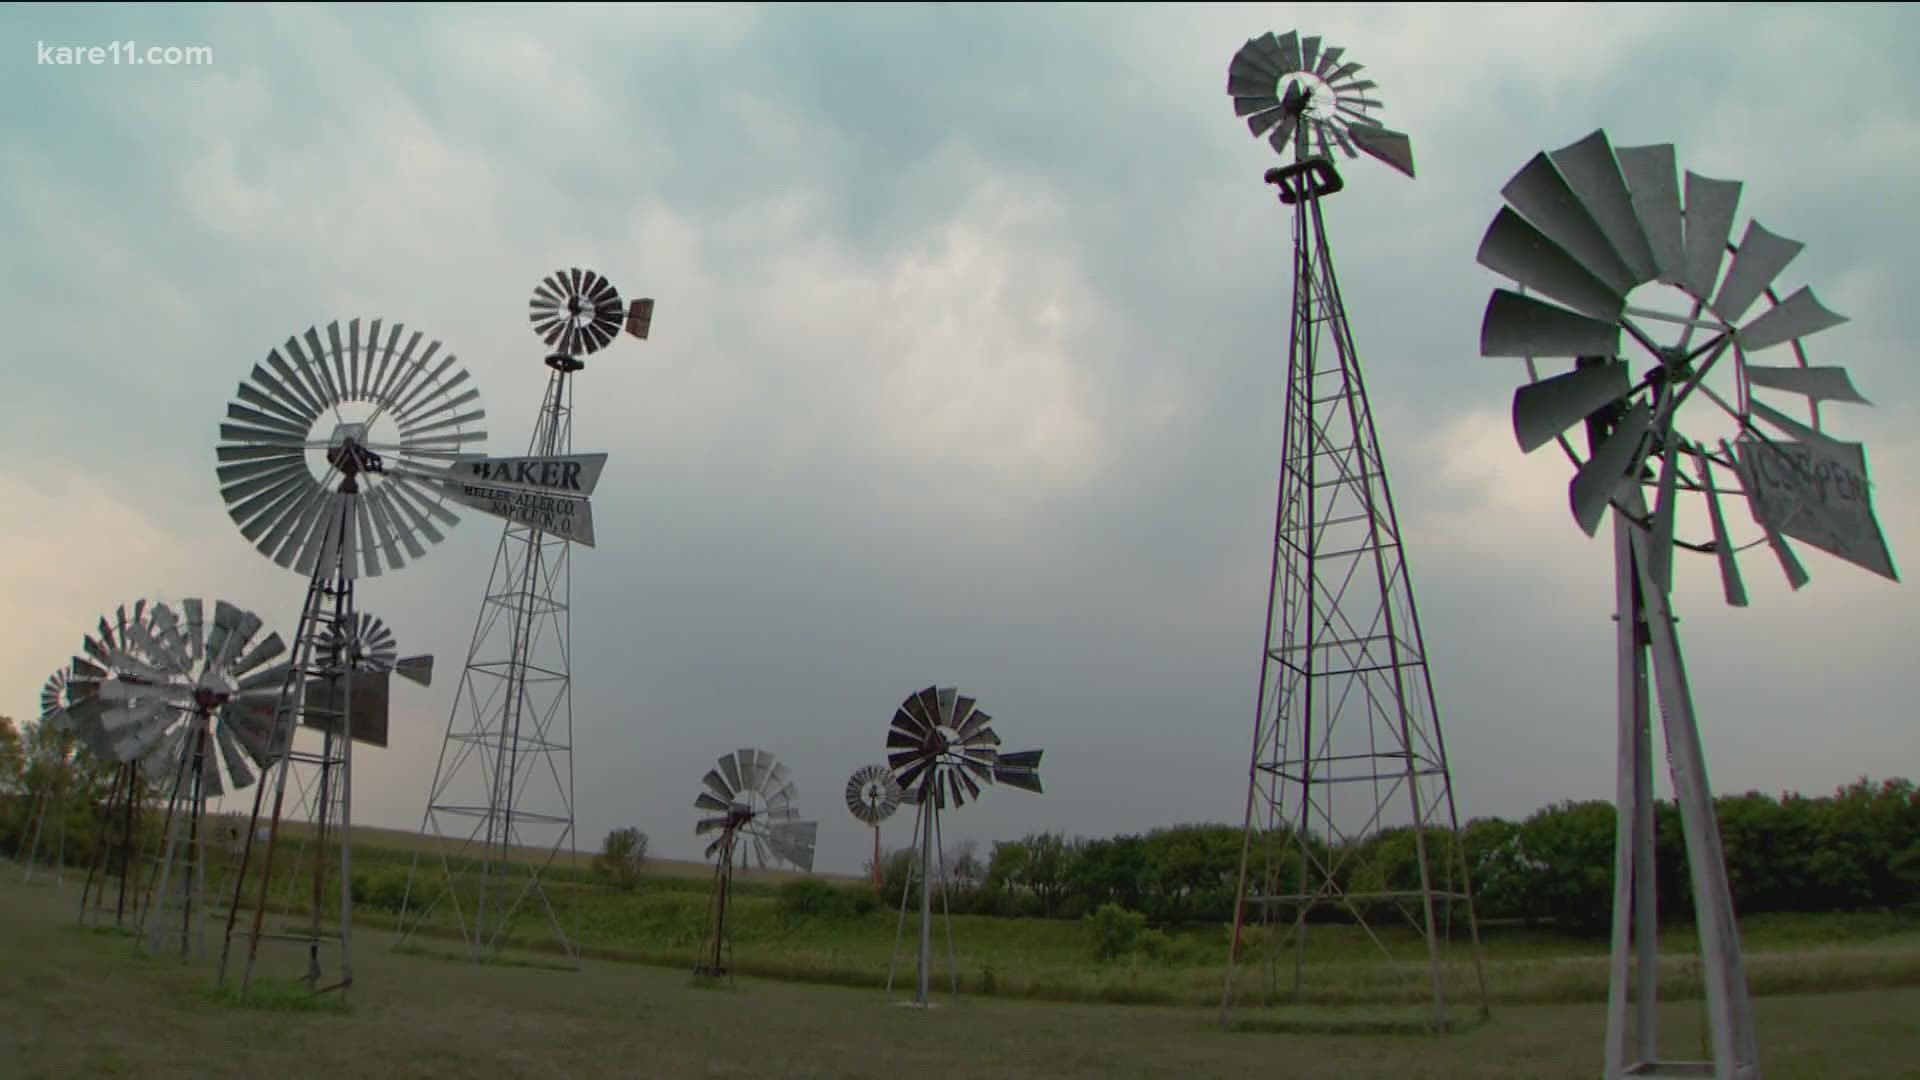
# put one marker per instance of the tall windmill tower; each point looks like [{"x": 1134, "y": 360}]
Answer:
[
  {"x": 1347, "y": 741},
  {"x": 502, "y": 790}
]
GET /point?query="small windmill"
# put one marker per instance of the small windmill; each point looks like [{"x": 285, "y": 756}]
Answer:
[
  {"x": 750, "y": 798},
  {"x": 1586, "y": 225},
  {"x": 122, "y": 732},
  {"x": 872, "y": 796},
  {"x": 943, "y": 749},
  {"x": 56, "y": 737},
  {"x": 183, "y": 672},
  {"x": 333, "y": 463}
]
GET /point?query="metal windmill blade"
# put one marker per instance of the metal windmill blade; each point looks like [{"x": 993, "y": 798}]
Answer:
[
  {"x": 373, "y": 648},
  {"x": 389, "y": 413},
  {"x": 1306, "y": 103},
  {"x": 578, "y": 312},
  {"x": 873, "y": 794},
  {"x": 1583, "y": 227},
  {"x": 201, "y": 666},
  {"x": 749, "y": 794},
  {"x": 53, "y": 703},
  {"x": 130, "y": 700}
]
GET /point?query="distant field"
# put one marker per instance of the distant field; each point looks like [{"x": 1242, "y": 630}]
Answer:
[
  {"x": 414, "y": 1016},
  {"x": 386, "y": 841}
]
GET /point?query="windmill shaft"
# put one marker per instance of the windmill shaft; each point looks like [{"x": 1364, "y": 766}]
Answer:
[
  {"x": 926, "y": 899},
  {"x": 1347, "y": 738},
  {"x": 1649, "y": 643}
]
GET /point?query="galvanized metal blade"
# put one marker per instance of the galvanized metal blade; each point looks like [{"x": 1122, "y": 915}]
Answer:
[
  {"x": 1283, "y": 135},
  {"x": 1759, "y": 259},
  {"x": 1309, "y": 53},
  {"x": 1734, "y": 589},
  {"x": 1711, "y": 205},
  {"x": 1660, "y": 544},
  {"x": 977, "y": 721},
  {"x": 1283, "y": 52},
  {"x": 1520, "y": 326},
  {"x": 1328, "y": 58},
  {"x": 1543, "y": 197},
  {"x": 926, "y": 706},
  {"x": 1814, "y": 383},
  {"x": 1591, "y": 173},
  {"x": 1544, "y": 409},
  {"x": 232, "y": 756},
  {"x": 1594, "y": 486},
  {"x": 1514, "y": 248},
  {"x": 1653, "y": 183},
  {"x": 707, "y": 801},
  {"x": 1798, "y": 316},
  {"x": 731, "y": 769}
]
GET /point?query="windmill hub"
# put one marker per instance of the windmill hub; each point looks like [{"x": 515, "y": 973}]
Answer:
[
  {"x": 207, "y": 699},
  {"x": 1316, "y": 98},
  {"x": 347, "y": 450}
]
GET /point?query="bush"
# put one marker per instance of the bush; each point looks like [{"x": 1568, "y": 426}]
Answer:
[
  {"x": 1113, "y": 931},
  {"x": 811, "y": 899},
  {"x": 384, "y": 888},
  {"x": 621, "y": 857}
]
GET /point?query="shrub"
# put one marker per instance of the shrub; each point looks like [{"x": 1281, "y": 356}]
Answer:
[
  {"x": 621, "y": 857},
  {"x": 807, "y": 898},
  {"x": 1113, "y": 931}
]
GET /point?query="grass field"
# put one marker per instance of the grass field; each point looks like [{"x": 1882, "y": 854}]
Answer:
[
  {"x": 853, "y": 945},
  {"x": 80, "y": 1003}
]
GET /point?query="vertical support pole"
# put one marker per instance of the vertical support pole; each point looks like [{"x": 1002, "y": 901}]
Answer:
[
  {"x": 926, "y": 893},
  {"x": 343, "y": 626},
  {"x": 1630, "y": 702},
  {"x": 1729, "y": 1011},
  {"x": 906, "y": 893}
]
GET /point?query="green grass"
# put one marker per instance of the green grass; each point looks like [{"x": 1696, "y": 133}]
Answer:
[
  {"x": 663, "y": 922},
  {"x": 415, "y": 1016}
]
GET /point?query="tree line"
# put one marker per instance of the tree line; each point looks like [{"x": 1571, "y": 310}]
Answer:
[{"x": 1857, "y": 849}]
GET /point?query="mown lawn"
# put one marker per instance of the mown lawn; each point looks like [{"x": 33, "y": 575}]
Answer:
[{"x": 80, "y": 1003}]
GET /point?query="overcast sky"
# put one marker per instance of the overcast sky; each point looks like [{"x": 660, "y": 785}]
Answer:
[{"x": 966, "y": 367}]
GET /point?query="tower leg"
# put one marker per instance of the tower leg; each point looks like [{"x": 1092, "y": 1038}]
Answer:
[
  {"x": 1729, "y": 1011},
  {"x": 926, "y": 899},
  {"x": 906, "y": 893}
]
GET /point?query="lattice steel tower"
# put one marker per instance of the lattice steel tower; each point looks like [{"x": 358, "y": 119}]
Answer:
[
  {"x": 504, "y": 782},
  {"x": 1348, "y": 768}
]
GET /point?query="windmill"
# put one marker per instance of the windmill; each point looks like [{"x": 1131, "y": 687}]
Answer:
[
  {"x": 333, "y": 463},
  {"x": 1586, "y": 225},
  {"x": 942, "y": 749},
  {"x": 749, "y": 798},
  {"x": 55, "y": 736},
  {"x": 190, "y": 672},
  {"x": 1347, "y": 741},
  {"x": 124, "y": 733},
  {"x": 505, "y": 773},
  {"x": 872, "y": 796}
]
